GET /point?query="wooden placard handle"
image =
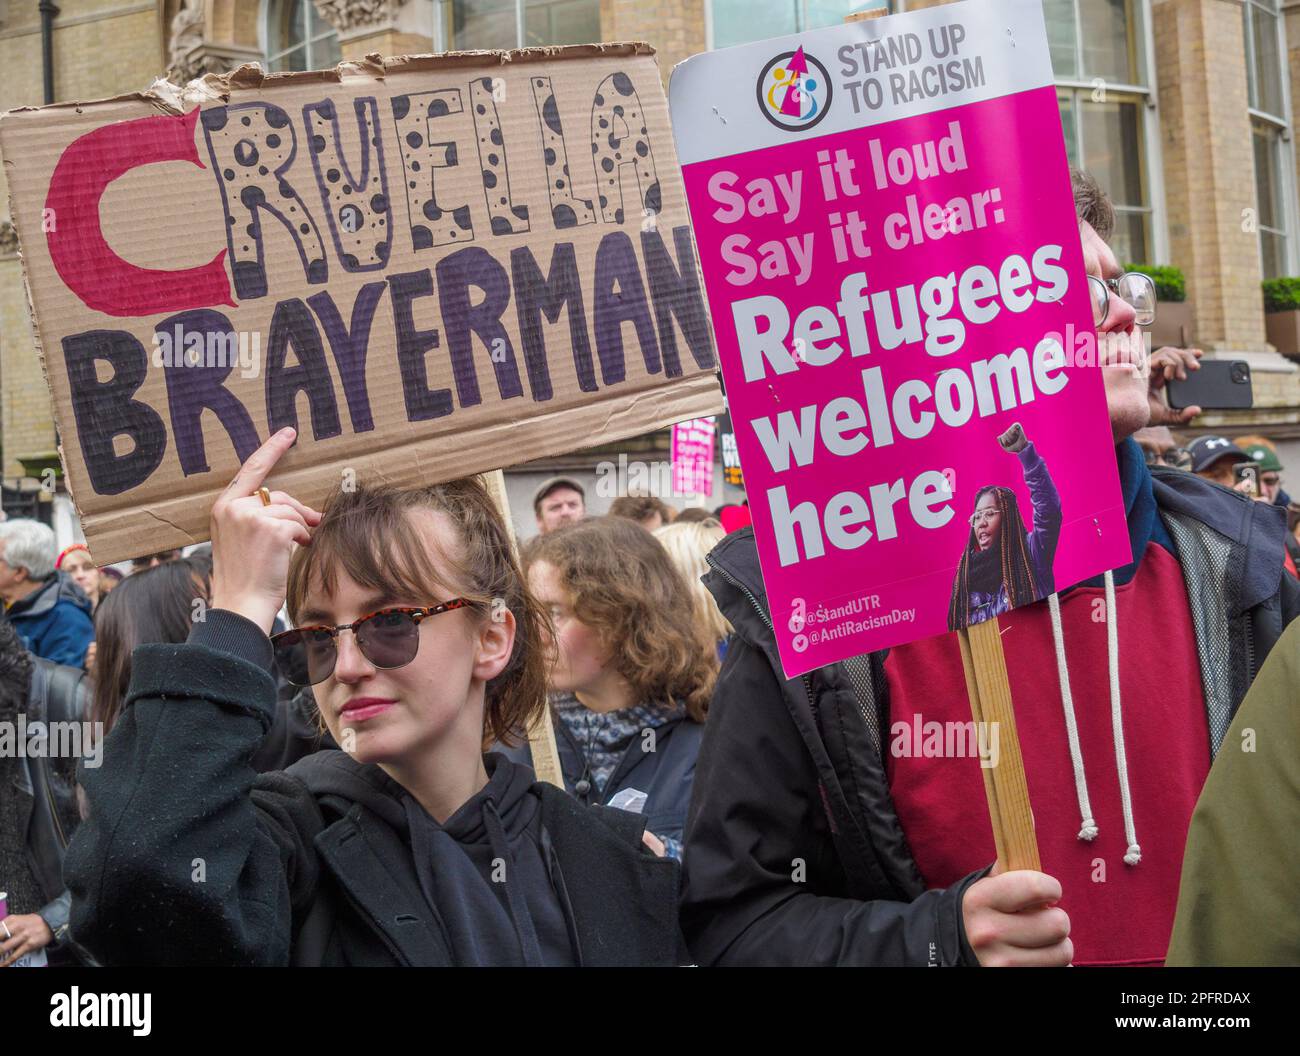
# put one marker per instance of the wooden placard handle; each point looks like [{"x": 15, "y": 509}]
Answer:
[
  {"x": 1004, "y": 785},
  {"x": 541, "y": 734}
]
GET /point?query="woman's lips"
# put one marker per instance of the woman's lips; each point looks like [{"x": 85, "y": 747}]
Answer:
[{"x": 362, "y": 708}]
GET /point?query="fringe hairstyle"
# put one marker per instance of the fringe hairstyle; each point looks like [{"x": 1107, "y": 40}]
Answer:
[
  {"x": 369, "y": 534},
  {"x": 1017, "y": 568}
]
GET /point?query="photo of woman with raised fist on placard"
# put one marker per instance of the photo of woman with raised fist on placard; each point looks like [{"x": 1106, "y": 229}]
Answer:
[{"x": 1004, "y": 565}]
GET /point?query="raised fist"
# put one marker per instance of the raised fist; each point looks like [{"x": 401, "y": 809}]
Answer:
[{"x": 1013, "y": 439}]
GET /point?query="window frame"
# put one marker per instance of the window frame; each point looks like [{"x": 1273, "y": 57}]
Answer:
[
  {"x": 891, "y": 7},
  {"x": 309, "y": 40},
  {"x": 442, "y": 20},
  {"x": 1146, "y": 97},
  {"x": 1281, "y": 126}
]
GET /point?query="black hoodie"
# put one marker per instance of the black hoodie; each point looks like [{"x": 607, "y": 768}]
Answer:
[
  {"x": 491, "y": 868},
  {"x": 190, "y": 857}
]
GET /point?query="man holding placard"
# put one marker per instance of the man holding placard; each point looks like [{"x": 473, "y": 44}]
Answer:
[{"x": 866, "y": 431}]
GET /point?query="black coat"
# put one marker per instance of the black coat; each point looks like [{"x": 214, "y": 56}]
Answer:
[
  {"x": 190, "y": 857},
  {"x": 794, "y": 851}
]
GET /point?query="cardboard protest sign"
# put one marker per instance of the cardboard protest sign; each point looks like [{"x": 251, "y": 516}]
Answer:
[
  {"x": 431, "y": 266},
  {"x": 893, "y": 263},
  {"x": 692, "y": 456}
]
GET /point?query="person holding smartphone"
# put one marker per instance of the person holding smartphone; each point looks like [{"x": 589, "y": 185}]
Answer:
[{"x": 409, "y": 846}]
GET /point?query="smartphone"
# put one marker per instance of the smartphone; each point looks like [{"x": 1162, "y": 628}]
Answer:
[
  {"x": 1248, "y": 471},
  {"x": 1220, "y": 384}
]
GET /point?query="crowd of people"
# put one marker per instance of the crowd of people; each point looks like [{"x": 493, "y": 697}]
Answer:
[{"x": 317, "y": 734}]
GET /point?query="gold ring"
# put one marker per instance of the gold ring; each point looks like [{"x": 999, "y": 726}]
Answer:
[{"x": 265, "y": 495}]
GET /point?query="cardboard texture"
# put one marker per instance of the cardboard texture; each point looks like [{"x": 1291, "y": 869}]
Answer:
[{"x": 432, "y": 266}]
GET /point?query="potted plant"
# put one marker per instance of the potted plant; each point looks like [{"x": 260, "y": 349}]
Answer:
[
  {"x": 1173, "y": 325},
  {"x": 1282, "y": 314}
]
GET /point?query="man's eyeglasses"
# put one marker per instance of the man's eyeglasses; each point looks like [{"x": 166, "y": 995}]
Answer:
[
  {"x": 1134, "y": 288},
  {"x": 1174, "y": 457},
  {"x": 388, "y": 639}
]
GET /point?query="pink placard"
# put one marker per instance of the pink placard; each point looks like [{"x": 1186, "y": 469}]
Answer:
[
  {"x": 878, "y": 332},
  {"x": 692, "y": 456}
]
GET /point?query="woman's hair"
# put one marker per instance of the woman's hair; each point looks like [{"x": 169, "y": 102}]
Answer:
[
  {"x": 640, "y": 508},
  {"x": 153, "y": 606},
  {"x": 625, "y": 587},
  {"x": 687, "y": 543},
  {"x": 1013, "y": 558},
  {"x": 15, "y": 673},
  {"x": 369, "y": 534}
]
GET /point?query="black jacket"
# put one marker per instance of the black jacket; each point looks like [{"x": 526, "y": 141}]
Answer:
[
  {"x": 795, "y": 854},
  {"x": 295, "y": 731},
  {"x": 190, "y": 857},
  {"x": 38, "y": 792},
  {"x": 58, "y": 694}
]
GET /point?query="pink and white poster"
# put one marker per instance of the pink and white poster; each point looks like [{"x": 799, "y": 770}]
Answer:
[
  {"x": 692, "y": 456},
  {"x": 887, "y": 234}
]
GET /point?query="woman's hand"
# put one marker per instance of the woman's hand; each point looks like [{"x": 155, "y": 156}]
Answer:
[
  {"x": 27, "y": 933},
  {"x": 252, "y": 543},
  {"x": 1014, "y": 439}
]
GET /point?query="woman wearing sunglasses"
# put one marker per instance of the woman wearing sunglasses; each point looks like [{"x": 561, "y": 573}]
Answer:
[
  {"x": 1004, "y": 565},
  {"x": 409, "y": 846}
]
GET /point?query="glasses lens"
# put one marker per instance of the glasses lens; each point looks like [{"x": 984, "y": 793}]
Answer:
[
  {"x": 1139, "y": 291},
  {"x": 1100, "y": 299},
  {"x": 304, "y": 657},
  {"x": 389, "y": 639}
]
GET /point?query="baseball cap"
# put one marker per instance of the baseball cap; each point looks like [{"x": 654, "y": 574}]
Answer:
[
  {"x": 551, "y": 485},
  {"x": 1206, "y": 450},
  {"x": 1265, "y": 456}
]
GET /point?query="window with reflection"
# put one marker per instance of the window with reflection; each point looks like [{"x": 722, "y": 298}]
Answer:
[
  {"x": 1266, "y": 94},
  {"x": 741, "y": 21},
  {"x": 298, "y": 37},
  {"x": 500, "y": 24},
  {"x": 1098, "y": 50}
]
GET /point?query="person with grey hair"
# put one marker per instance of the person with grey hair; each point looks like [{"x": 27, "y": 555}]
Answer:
[{"x": 47, "y": 609}]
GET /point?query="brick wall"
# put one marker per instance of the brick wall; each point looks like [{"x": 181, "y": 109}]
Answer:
[{"x": 674, "y": 27}]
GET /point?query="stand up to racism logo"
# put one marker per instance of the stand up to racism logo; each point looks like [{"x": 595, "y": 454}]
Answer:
[{"x": 794, "y": 90}]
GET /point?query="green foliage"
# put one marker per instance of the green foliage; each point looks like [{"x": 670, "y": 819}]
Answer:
[
  {"x": 1281, "y": 295},
  {"x": 1170, "y": 284}
]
